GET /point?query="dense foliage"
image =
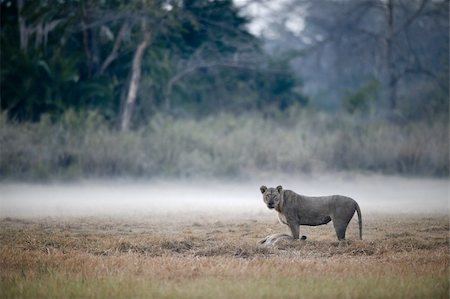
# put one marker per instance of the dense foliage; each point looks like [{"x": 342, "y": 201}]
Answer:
[{"x": 60, "y": 55}]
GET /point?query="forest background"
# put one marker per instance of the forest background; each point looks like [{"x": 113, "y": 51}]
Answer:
[{"x": 199, "y": 88}]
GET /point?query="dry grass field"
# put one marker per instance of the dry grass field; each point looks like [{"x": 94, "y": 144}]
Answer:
[{"x": 218, "y": 256}]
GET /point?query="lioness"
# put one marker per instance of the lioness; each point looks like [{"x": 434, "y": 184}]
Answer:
[{"x": 295, "y": 210}]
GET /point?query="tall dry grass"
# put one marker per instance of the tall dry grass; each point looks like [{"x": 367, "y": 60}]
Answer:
[{"x": 221, "y": 146}]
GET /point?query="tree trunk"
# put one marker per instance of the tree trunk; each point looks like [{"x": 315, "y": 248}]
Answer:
[
  {"x": 134, "y": 82},
  {"x": 90, "y": 40},
  {"x": 85, "y": 32},
  {"x": 390, "y": 81},
  {"x": 23, "y": 30}
]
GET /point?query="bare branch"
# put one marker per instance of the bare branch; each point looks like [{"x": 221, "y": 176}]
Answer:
[
  {"x": 113, "y": 54},
  {"x": 412, "y": 18}
]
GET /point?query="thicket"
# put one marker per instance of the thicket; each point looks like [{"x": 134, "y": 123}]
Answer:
[
  {"x": 221, "y": 146},
  {"x": 129, "y": 59}
]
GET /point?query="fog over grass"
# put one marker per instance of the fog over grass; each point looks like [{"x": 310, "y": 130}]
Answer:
[{"x": 374, "y": 193}]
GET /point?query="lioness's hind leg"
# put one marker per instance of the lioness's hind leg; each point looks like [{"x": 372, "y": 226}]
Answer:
[
  {"x": 340, "y": 231},
  {"x": 341, "y": 218},
  {"x": 340, "y": 226}
]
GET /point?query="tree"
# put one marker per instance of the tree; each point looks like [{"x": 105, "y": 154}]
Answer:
[
  {"x": 135, "y": 78},
  {"x": 128, "y": 59},
  {"x": 347, "y": 43}
]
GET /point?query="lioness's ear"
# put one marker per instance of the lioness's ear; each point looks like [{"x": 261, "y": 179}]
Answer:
[
  {"x": 263, "y": 189},
  {"x": 279, "y": 188}
]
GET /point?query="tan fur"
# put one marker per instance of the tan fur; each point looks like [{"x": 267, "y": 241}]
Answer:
[
  {"x": 295, "y": 210},
  {"x": 275, "y": 238}
]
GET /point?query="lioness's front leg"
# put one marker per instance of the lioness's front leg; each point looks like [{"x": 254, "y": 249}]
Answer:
[{"x": 295, "y": 229}]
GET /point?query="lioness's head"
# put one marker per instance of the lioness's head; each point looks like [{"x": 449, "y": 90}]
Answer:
[{"x": 271, "y": 196}]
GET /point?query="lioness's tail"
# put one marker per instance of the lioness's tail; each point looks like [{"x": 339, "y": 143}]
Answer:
[{"x": 358, "y": 210}]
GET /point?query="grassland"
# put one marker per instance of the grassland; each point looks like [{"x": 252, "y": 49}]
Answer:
[{"x": 213, "y": 256}]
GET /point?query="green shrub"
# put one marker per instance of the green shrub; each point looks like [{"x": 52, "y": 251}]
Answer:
[{"x": 361, "y": 99}]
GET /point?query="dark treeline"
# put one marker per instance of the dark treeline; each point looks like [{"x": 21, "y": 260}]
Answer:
[{"x": 128, "y": 59}]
